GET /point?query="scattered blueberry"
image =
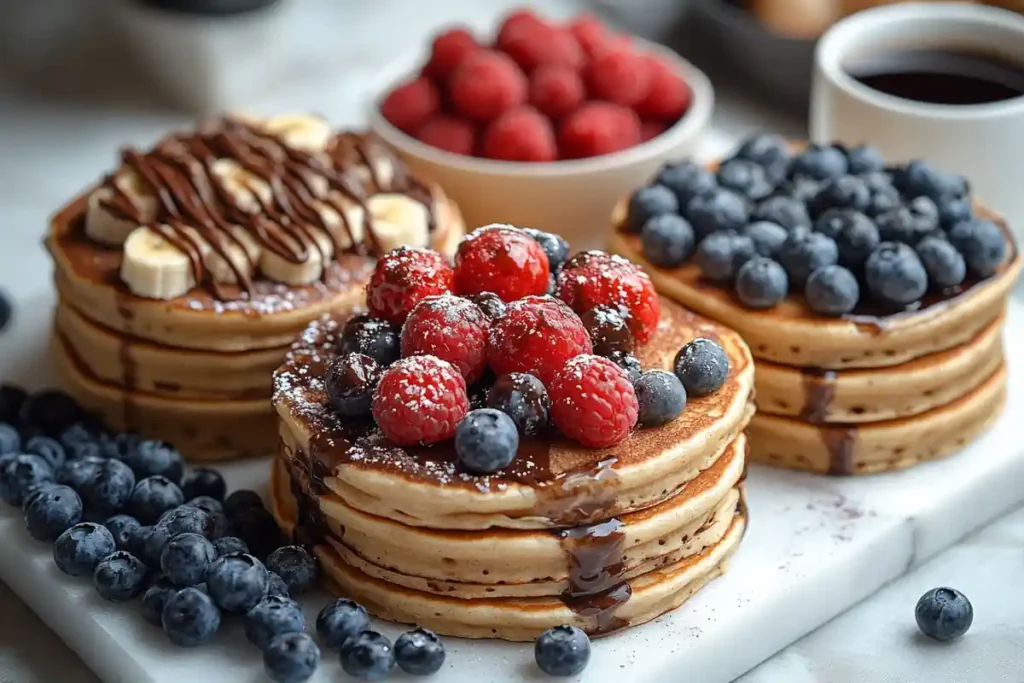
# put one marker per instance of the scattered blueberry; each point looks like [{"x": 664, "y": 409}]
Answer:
[
  {"x": 895, "y": 275},
  {"x": 74, "y": 436},
  {"x": 856, "y": 238},
  {"x": 844, "y": 192},
  {"x": 943, "y": 263},
  {"x": 767, "y": 237},
  {"x": 419, "y": 652},
  {"x": 562, "y": 651},
  {"x": 717, "y": 210},
  {"x": 242, "y": 499},
  {"x": 296, "y": 567},
  {"x": 832, "y": 291},
  {"x": 230, "y": 545},
  {"x": 186, "y": 519},
  {"x": 944, "y": 614},
  {"x": 120, "y": 445},
  {"x": 152, "y": 497},
  {"x": 155, "y": 598},
  {"x": 864, "y": 159},
  {"x": 486, "y": 440},
  {"x": 148, "y": 543},
  {"x": 186, "y": 558},
  {"x": 761, "y": 283},
  {"x": 721, "y": 255},
  {"x": 273, "y": 616},
  {"x": 800, "y": 188},
  {"x": 350, "y": 380},
  {"x": 982, "y": 243},
  {"x": 648, "y": 202},
  {"x": 920, "y": 179},
  {"x": 702, "y": 366},
  {"x": 608, "y": 329},
  {"x": 12, "y": 398},
  {"x": 52, "y": 512},
  {"x": 375, "y": 338},
  {"x": 155, "y": 458},
  {"x": 78, "y": 550},
  {"x": 820, "y": 162},
  {"x": 788, "y": 212},
  {"x": 277, "y": 586},
  {"x": 291, "y": 658},
  {"x": 628, "y": 362},
  {"x": 490, "y": 303},
  {"x": 745, "y": 178},
  {"x": 119, "y": 576},
  {"x": 190, "y": 618},
  {"x": 258, "y": 528},
  {"x": 46, "y": 448},
  {"x": 661, "y": 397},
  {"x": 10, "y": 440},
  {"x": 523, "y": 398},
  {"x": 123, "y": 528},
  {"x": 22, "y": 475},
  {"x": 804, "y": 252},
  {"x": 203, "y": 481},
  {"x": 340, "y": 620},
  {"x": 237, "y": 582},
  {"x": 686, "y": 180},
  {"x": 210, "y": 506},
  {"x": 109, "y": 491},
  {"x": 80, "y": 472},
  {"x": 554, "y": 246},
  {"x": 831, "y": 222},
  {"x": 50, "y": 411},
  {"x": 368, "y": 655},
  {"x": 769, "y": 151},
  {"x": 954, "y": 210},
  {"x": 667, "y": 240}
]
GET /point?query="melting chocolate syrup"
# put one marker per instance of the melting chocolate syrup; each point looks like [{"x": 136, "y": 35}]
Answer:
[
  {"x": 819, "y": 389},
  {"x": 596, "y": 587},
  {"x": 840, "y": 442}
]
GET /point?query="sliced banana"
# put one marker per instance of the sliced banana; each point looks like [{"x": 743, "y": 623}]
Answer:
[
  {"x": 107, "y": 228},
  {"x": 154, "y": 268},
  {"x": 398, "y": 220},
  {"x": 249, "y": 191},
  {"x": 342, "y": 216},
  {"x": 301, "y": 131},
  {"x": 243, "y": 251},
  {"x": 379, "y": 177},
  {"x": 319, "y": 251}
]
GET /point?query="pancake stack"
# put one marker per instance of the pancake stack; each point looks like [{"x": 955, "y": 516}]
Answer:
[
  {"x": 184, "y": 276},
  {"x": 600, "y": 538}
]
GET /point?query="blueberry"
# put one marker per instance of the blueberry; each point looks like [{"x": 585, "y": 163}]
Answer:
[
  {"x": 830, "y": 223},
  {"x": 340, "y": 620},
  {"x": 769, "y": 151},
  {"x": 628, "y": 362},
  {"x": 562, "y": 651},
  {"x": 648, "y": 202},
  {"x": 78, "y": 550},
  {"x": 920, "y": 179},
  {"x": 820, "y": 162},
  {"x": 490, "y": 303},
  {"x": 22, "y": 475},
  {"x": 661, "y": 397},
  {"x": 782, "y": 210},
  {"x": 702, "y": 366},
  {"x": 608, "y": 329},
  {"x": 186, "y": 519},
  {"x": 273, "y": 616},
  {"x": 80, "y": 472},
  {"x": 368, "y": 655},
  {"x": 943, "y": 263},
  {"x": 761, "y": 283},
  {"x": 721, "y": 255},
  {"x": 186, "y": 558},
  {"x": 832, "y": 291},
  {"x": 148, "y": 543},
  {"x": 800, "y": 188},
  {"x": 259, "y": 530},
  {"x": 667, "y": 240},
  {"x": 110, "y": 490},
  {"x": 486, "y": 440},
  {"x": 686, "y": 179},
  {"x": 74, "y": 436},
  {"x": 555, "y": 247},
  {"x": 123, "y": 528},
  {"x": 419, "y": 652},
  {"x": 50, "y": 411},
  {"x": 883, "y": 200},
  {"x": 190, "y": 618},
  {"x": 37, "y": 491},
  {"x": 375, "y": 338},
  {"x": 152, "y": 497},
  {"x": 745, "y": 178},
  {"x": 523, "y": 398},
  {"x": 844, "y": 192},
  {"x": 203, "y": 481},
  {"x": 46, "y": 448},
  {"x": 899, "y": 225},
  {"x": 155, "y": 458},
  {"x": 982, "y": 243},
  {"x": 10, "y": 440},
  {"x": 350, "y": 380},
  {"x": 864, "y": 159},
  {"x": 210, "y": 506},
  {"x": 296, "y": 567},
  {"x": 119, "y": 576},
  {"x": 155, "y": 598},
  {"x": 944, "y": 614},
  {"x": 856, "y": 238},
  {"x": 291, "y": 658},
  {"x": 12, "y": 398},
  {"x": 52, "y": 512},
  {"x": 803, "y": 252},
  {"x": 120, "y": 445},
  {"x": 767, "y": 237},
  {"x": 895, "y": 275},
  {"x": 237, "y": 582},
  {"x": 953, "y": 210},
  {"x": 242, "y": 499},
  {"x": 718, "y": 210},
  {"x": 277, "y": 586},
  {"x": 230, "y": 545}
]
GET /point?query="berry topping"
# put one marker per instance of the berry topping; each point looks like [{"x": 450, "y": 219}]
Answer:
[
  {"x": 920, "y": 179},
  {"x": 745, "y": 178},
  {"x": 593, "y": 401},
  {"x": 895, "y": 275},
  {"x": 954, "y": 210},
  {"x": 629, "y": 363},
  {"x": 832, "y": 291},
  {"x": 371, "y": 337},
  {"x": 761, "y": 283},
  {"x": 719, "y": 209},
  {"x": 350, "y": 381},
  {"x": 368, "y": 655},
  {"x": 720, "y": 255},
  {"x": 944, "y": 614},
  {"x": 190, "y": 618},
  {"x": 590, "y": 33},
  {"x": 274, "y": 616},
  {"x": 767, "y": 237},
  {"x": 598, "y": 128},
  {"x": 555, "y": 247},
  {"x": 667, "y": 240},
  {"x": 452, "y": 329},
  {"x": 524, "y": 399},
  {"x": 608, "y": 330},
  {"x": 844, "y": 192},
  {"x": 486, "y": 84},
  {"x": 661, "y": 397},
  {"x": 291, "y": 658},
  {"x": 411, "y": 104},
  {"x": 768, "y": 151},
  {"x": 943, "y": 263},
  {"x": 556, "y": 90},
  {"x": 448, "y": 133},
  {"x": 819, "y": 162},
  {"x": 503, "y": 260},
  {"x": 448, "y": 50},
  {"x": 537, "y": 335},
  {"x": 296, "y": 567},
  {"x": 562, "y": 651},
  {"x": 489, "y": 303},
  {"x": 52, "y": 510},
  {"x": 648, "y": 202},
  {"x": 340, "y": 620},
  {"x": 884, "y": 198},
  {"x": 702, "y": 366},
  {"x": 520, "y": 134},
  {"x": 982, "y": 243},
  {"x": 230, "y": 545},
  {"x": 619, "y": 76},
  {"x": 419, "y": 652},
  {"x": 687, "y": 180},
  {"x": 804, "y": 252},
  {"x": 402, "y": 278},
  {"x": 856, "y": 237},
  {"x": 486, "y": 440},
  {"x": 668, "y": 96},
  {"x": 119, "y": 577},
  {"x": 420, "y": 400}
]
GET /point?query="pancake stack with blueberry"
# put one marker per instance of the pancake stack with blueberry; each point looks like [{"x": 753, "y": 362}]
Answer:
[
  {"x": 185, "y": 274},
  {"x": 872, "y": 295},
  {"x": 520, "y": 441}
]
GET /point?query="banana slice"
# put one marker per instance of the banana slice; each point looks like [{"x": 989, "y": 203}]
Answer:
[
  {"x": 398, "y": 220},
  {"x": 243, "y": 251},
  {"x": 379, "y": 177},
  {"x": 301, "y": 131},
  {"x": 319, "y": 251},
  {"x": 249, "y": 191},
  {"x": 154, "y": 268},
  {"x": 342, "y": 216},
  {"x": 107, "y": 228}
]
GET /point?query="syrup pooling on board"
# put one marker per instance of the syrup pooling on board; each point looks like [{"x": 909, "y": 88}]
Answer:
[{"x": 194, "y": 205}]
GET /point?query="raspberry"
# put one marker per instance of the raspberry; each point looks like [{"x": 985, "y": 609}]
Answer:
[
  {"x": 598, "y": 128},
  {"x": 420, "y": 400},
  {"x": 448, "y": 50},
  {"x": 619, "y": 76},
  {"x": 486, "y": 84},
  {"x": 538, "y": 335},
  {"x": 503, "y": 260},
  {"x": 410, "y": 104},
  {"x": 448, "y": 133},
  {"x": 542, "y": 44},
  {"x": 450, "y": 328},
  {"x": 555, "y": 90},
  {"x": 651, "y": 129},
  {"x": 590, "y": 33},
  {"x": 669, "y": 95},
  {"x": 593, "y": 402},
  {"x": 516, "y": 22},
  {"x": 521, "y": 134},
  {"x": 402, "y": 278},
  {"x": 594, "y": 278}
]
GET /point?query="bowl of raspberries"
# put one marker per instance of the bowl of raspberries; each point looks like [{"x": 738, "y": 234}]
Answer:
[{"x": 542, "y": 123}]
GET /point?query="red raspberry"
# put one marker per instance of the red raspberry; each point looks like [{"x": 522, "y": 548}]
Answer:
[
  {"x": 447, "y": 52},
  {"x": 410, "y": 104},
  {"x": 503, "y": 260},
  {"x": 516, "y": 23},
  {"x": 420, "y": 400},
  {"x": 542, "y": 44},
  {"x": 593, "y": 402},
  {"x": 591, "y": 34},
  {"x": 450, "y": 328},
  {"x": 598, "y": 128},
  {"x": 619, "y": 76},
  {"x": 651, "y": 129},
  {"x": 538, "y": 335},
  {"x": 486, "y": 84},
  {"x": 555, "y": 90},
  {"x": 669, "y": 95},
  {"x": 593, "y": 278},
  {"x": 521, "y": 134},
  {"x": 448, "y": 133},
  {"x": 402, "y": 278}
]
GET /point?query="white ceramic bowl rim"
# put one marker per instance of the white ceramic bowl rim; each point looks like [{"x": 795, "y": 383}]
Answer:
[
  {"x": 836, "y": 44},
  {"x": 693, "y": 121}
]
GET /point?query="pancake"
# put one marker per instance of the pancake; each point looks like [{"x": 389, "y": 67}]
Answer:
[
  {"x": 878, "y": 446},
  {"x": 552, "y": 482}
]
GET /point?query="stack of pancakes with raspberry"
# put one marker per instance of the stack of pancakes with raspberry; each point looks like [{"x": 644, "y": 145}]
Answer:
[
  {"x": 484, "y": 459},
  {"x": 873, "y": 296},
  {"x": 184, "y": 275}
]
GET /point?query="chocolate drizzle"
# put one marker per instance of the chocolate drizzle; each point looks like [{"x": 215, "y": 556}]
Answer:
[
  {"x": 819, "y": 389},
  {"x": 596, "y": 586}
]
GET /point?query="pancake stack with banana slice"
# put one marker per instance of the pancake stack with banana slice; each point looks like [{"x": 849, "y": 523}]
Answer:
[{"x": 185, "y": 274}]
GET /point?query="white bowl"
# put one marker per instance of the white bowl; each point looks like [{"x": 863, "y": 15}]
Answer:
[{"x": 573, "y": 198}]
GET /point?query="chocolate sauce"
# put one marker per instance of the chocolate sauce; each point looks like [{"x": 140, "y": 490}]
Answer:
[
  {"x": 840, "y": 441},
  {"x": 819, "y": 388},
  {"x": 596, "y": 586}
]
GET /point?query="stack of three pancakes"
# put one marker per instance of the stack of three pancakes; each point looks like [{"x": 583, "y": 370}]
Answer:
[{"x": 600, "y": 538}]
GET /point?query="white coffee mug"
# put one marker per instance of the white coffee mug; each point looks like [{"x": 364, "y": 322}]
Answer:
[{"x": 984, "y": 142}]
